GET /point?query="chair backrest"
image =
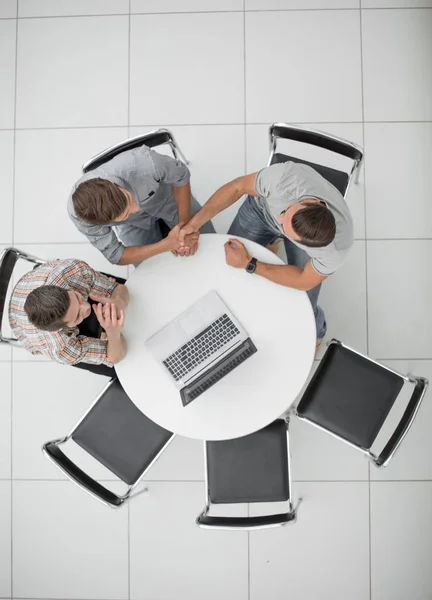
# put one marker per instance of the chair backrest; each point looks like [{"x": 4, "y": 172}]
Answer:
[
  {"x": 402, "y": 428},
  {"x": 119, "y": 436},
  {"x": 151, "y": 139},
  {"x": 315, "y": 138},
  {"x": 8, "y": 259},
  {"x": 246, "y": 523},
  {"x": 59, "y": 458}
]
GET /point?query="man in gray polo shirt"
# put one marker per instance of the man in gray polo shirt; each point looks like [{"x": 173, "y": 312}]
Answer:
[
  {"x": 293, "y": 202},
  {"x": 123, "y": 206}
]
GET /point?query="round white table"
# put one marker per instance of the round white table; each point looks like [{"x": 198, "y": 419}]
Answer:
[{"x": 279, "y": 320}]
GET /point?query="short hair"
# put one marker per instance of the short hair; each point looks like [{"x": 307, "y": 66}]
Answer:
[
  {"x": 98, "y": 201},
  {"x": 314, "y": 224},
  {"x": 46, "y": 307}
]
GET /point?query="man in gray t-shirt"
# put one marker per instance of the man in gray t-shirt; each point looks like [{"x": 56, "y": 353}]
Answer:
[
  {"x": 124, "y": 205},
  {"x": 293, "y": 202}
]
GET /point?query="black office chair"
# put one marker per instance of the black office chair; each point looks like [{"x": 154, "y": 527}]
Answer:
[
  {"x": 152, "y": 139},
  {"x": 89, "y": 326},
  {"x": 118, "y": 435},
  {"x": 253, "y": 468},
  {"x": 350, "y": 397},
  {"x": 339, "y": 179}
]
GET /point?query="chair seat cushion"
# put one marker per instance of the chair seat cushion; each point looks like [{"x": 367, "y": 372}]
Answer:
[
  {"x": 350, "y": 396},
  {"x": 253, "y": 468},
  {"x": 117, "y": 434},
  {"x": 337, "y": 178}
]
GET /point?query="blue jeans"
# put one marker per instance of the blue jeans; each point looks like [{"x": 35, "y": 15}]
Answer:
[
  {"x": 250, "y": 223},
  {"x": 132, "y": 235}
]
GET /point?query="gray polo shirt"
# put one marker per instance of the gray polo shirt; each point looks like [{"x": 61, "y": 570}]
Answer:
[
  {"x": 149, "y": 177},
  {"x": 282, "y": 184}
]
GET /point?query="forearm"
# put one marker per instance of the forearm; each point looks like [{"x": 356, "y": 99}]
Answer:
[
  {"x": 117, "y": 348},
  {"x": 287, "y": 275},
  {"x": 221, "y": 199},
  {"x": 182, "y": 196},
  {"x": 135, "y": 254},
  {"x": 121, "y": 293}
]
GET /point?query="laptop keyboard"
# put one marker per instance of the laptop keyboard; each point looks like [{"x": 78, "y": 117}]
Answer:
[
  {"x": 215, "y": 374},
  {"x": 201, "y": 347}
]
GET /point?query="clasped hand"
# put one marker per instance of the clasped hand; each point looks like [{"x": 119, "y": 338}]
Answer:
[{"x": 183, "y": 240}]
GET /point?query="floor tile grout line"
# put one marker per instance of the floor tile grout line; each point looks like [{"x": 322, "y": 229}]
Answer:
[
  {"x": 11, "y": 362},
  {"x": 245, "y": 166},
  {"x": 249, "y": 564},
  {"x": 129, "y": 553},
  {"x": 214, "y": 124},
  {"x": 244, "y": 89},
  {"x": 129, "y": 68},
  {"x": 128, "y": 268},
  {"x": 370, "y": 534},
  {"x": 39, "y": 480},
  {"x": 11, "y": 481},
  {"x": 212, "y": 12},
  {"x": 35, "y": 598},
  {"x": 248, "y": 555},
  {"x": 129, "y": 128},
  {"x": 364, "y": 175}
]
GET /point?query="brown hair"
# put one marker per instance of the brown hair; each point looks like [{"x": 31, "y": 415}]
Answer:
[
  {"x": 46, "y": 307},
  {"x": 315, "y": 225},
  {"x": 98, "y": 201}
]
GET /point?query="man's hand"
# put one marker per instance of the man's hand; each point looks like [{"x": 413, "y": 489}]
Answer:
[
  {"x": 172, "y": 239},
  {"x": 175, "y": 244},
  {"x": 236, "y": 254},
  {"x": 110, "y": 318},
  {"x": 119, "y": 302},
  {"x": 186, "y": 234},
  {"x": 190, "y": 250}
]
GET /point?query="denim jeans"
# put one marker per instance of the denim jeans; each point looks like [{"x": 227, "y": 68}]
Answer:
[
  {"x": 251, "y": 224},
  {"x": 132, "y": 235}
]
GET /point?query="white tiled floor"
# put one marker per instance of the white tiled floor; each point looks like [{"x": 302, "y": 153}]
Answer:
[{"x": 89, "y": 73}]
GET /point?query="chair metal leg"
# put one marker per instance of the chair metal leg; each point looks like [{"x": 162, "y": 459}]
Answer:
[
  {"x": 176, "y": 150},
  {"x": 297, "y": 506},
  {"x": 138, "y": 493},
  {"x": 357, "y": 171}
]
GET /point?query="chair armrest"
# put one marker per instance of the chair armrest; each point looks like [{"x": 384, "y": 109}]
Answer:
[
  {"x": 404, "y": 424},
  {"x": 55, "y": 455}
]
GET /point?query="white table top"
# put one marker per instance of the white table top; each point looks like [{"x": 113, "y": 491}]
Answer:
[{"x": 278, "y": 319}]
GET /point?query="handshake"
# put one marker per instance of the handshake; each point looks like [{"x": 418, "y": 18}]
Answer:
[{"x": 182, "y": 240}]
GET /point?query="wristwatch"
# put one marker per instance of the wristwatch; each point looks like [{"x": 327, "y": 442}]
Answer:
[{"x": 251, "y": 266}]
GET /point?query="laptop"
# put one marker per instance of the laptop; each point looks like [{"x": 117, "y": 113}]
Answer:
[{"x": 202, "y": 345}]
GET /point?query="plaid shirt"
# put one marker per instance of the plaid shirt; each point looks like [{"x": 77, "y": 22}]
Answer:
[{"x": 65, "y": 345}]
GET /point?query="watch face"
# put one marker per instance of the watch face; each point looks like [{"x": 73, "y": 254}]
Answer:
[{"x": 251, "y": 266}]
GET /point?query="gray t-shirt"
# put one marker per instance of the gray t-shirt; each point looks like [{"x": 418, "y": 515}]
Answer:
[
  {"x": 149, "y": 177},
  {"x": 282, "y": 184}
]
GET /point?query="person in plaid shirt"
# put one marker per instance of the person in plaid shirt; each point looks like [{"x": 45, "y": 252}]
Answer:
[{"x": 50, "y": 305}]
